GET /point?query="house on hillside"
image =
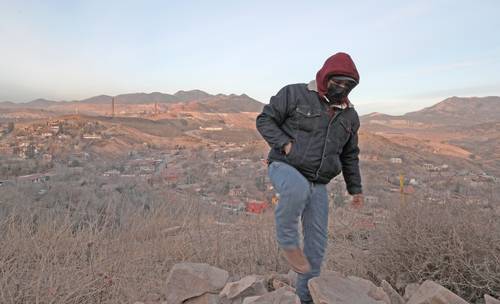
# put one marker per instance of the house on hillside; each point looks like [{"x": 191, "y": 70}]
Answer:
[
  {"x": 257, "y": 207},
  {"x": 91, "y": 136},
  {"x": 234, "y": 205},
  {"x": 47, "y": 157},
  {"x": 428, "y": 166},
  {"x": 396, "y": 160},
  {"x": 112, "y": 172},
  {"x": 35, "y": 178},
  {"x": 370, "y": 199}
]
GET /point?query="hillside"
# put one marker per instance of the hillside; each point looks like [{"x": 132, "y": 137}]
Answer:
[
  {"x": 467, "y": 128},
  {"x": 460, "y": 111},
  {"x": 456, "y": 111}
]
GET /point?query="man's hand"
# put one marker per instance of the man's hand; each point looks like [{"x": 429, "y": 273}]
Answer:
[
  {"x": 357, "y": 201},
  {"x": 287, "y": 148}
]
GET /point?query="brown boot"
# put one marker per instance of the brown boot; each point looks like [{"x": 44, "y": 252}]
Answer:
[{"x": 296, "y": 259}]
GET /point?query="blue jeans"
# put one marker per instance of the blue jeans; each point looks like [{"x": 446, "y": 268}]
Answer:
[{"x": 300, "y": 198}]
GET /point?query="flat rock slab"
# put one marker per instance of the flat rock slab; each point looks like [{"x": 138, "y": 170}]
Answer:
[
  {"x": 490, "y": 300},
  {"x": 208, "y": 298},
  {"x": 334, "y": 288},
  {"x": 284, "y": 295},
  {"x": 248, "y": 286},
  {"x": 432, "y": 293},
  {"x": 189, "y": 280}
]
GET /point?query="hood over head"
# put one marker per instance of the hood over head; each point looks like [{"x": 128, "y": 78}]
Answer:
[{"x": 338, "y": 64}]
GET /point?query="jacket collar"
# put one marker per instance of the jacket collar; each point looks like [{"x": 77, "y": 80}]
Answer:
[{"x": 312, "y": 86}]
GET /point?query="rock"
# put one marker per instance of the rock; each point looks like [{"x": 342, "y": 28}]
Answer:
[
  {"x": 410, "y": 289},
  {"x": 276, "y": 281},
  {"x": 284, "y": 295},
  {"x": 208, "y": 298},
  {"x": 402, "y": 280},
  {"x": 374, "y": 292},
  {"x": 394, "y": 296},
  {"x": 432, "y": 293},
  {"x": 248, "y": 286},
  {"x": 189, "y": 280},
  {"x": 490, "y": 300},
  {"x": 250, "y": 299},
  {"x": 292, "y": 277},
  {"x": 153, "y": 297},
  {"x": 334, "y": 288},
  {"x": 171, "y": 231}
]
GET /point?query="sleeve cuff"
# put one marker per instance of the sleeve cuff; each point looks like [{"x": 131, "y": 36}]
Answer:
[{"x": 355, "y": 190}]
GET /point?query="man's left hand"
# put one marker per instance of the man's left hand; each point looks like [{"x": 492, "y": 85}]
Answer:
[{"x": 357, "y": 201}]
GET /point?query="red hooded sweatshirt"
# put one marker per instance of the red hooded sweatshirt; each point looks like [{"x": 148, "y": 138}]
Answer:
[{"x": 338, "y": 64}]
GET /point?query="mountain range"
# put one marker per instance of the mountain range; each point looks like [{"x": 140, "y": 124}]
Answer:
[{"x": 195, "y": 99}]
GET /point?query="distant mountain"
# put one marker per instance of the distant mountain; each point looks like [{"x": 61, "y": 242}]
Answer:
[
  {"x": 460, "y": 111},
  {"x": 8, "y": 104},
  {"x": 37, "y": 103},
  {"x": 195, "y": 100},
  {"x": 453, "y": 111},
  {"x": 192, "y": 95}
]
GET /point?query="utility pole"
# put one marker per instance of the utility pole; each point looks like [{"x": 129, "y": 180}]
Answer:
[
  {"x": 112, "y": 107},
  {"x": 402, "y": 187}
]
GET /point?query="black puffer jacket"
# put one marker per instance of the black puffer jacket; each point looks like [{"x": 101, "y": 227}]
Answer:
[{"x": 322, "y": 146}]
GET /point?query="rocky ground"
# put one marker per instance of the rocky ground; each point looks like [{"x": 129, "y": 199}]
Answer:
[{"x": 195, "y": 283}]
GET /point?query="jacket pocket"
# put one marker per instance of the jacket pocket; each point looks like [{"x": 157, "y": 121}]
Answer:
[
  {"x": 331, "y": 167},
  {"x": 343, "y": 133},
  {"x": 307, "y": 117},
  {"x": 290, "y": 156}
]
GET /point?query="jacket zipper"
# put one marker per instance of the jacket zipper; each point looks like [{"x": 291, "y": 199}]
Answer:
[{"x": 337, "y": 113}]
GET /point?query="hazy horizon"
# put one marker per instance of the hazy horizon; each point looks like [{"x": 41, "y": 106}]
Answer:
[{"x": 409, "y": 56}]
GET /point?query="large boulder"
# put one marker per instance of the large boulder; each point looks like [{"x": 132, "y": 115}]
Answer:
[
  {"x": 284, "y": 295},
  {"x": 248, "y": 286},
  {"x": 432, "y": 293},
  {"x": 334, "y": 288},
  {"x": 490, "y": 300},
  {"x": 189, "y": 280}
]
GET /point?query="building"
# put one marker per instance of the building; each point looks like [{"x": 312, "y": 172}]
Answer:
[
  {"x": 257, "y": 206},
  {"x": 428, "y": 166},
  {"x": 234, "y": 205},
  {"x": 370, "y": 199},
  {"x": 113, "y": 172},
  {"x": 211, "y": 128},
  {"x": 35, "y": 178},
  {"x": 396, "y": 160},
  {"x": 236, "y": 191},
  {"x": 91, "y": 136},
  {"x": 47, "y": 157}
]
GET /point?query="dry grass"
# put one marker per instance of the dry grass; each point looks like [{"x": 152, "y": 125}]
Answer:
[
  {"x": 455, "y": 245},
  {"x": 120, "y": 252},
  {"x": 50, "y": 260}
]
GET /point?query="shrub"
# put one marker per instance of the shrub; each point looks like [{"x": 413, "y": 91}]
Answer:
[{"x": 455, "y": 245}]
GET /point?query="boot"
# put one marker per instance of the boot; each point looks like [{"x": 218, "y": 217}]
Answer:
[{"x": 297, "y": 261}]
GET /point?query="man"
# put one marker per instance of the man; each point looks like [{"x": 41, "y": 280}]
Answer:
[{"x": 312, "y": 130}]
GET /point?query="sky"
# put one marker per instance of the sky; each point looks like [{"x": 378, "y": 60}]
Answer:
[{"x": 410, "y": 54}]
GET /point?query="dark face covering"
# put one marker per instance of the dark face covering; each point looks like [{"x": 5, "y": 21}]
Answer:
[{"x": 336, "y": 93}]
